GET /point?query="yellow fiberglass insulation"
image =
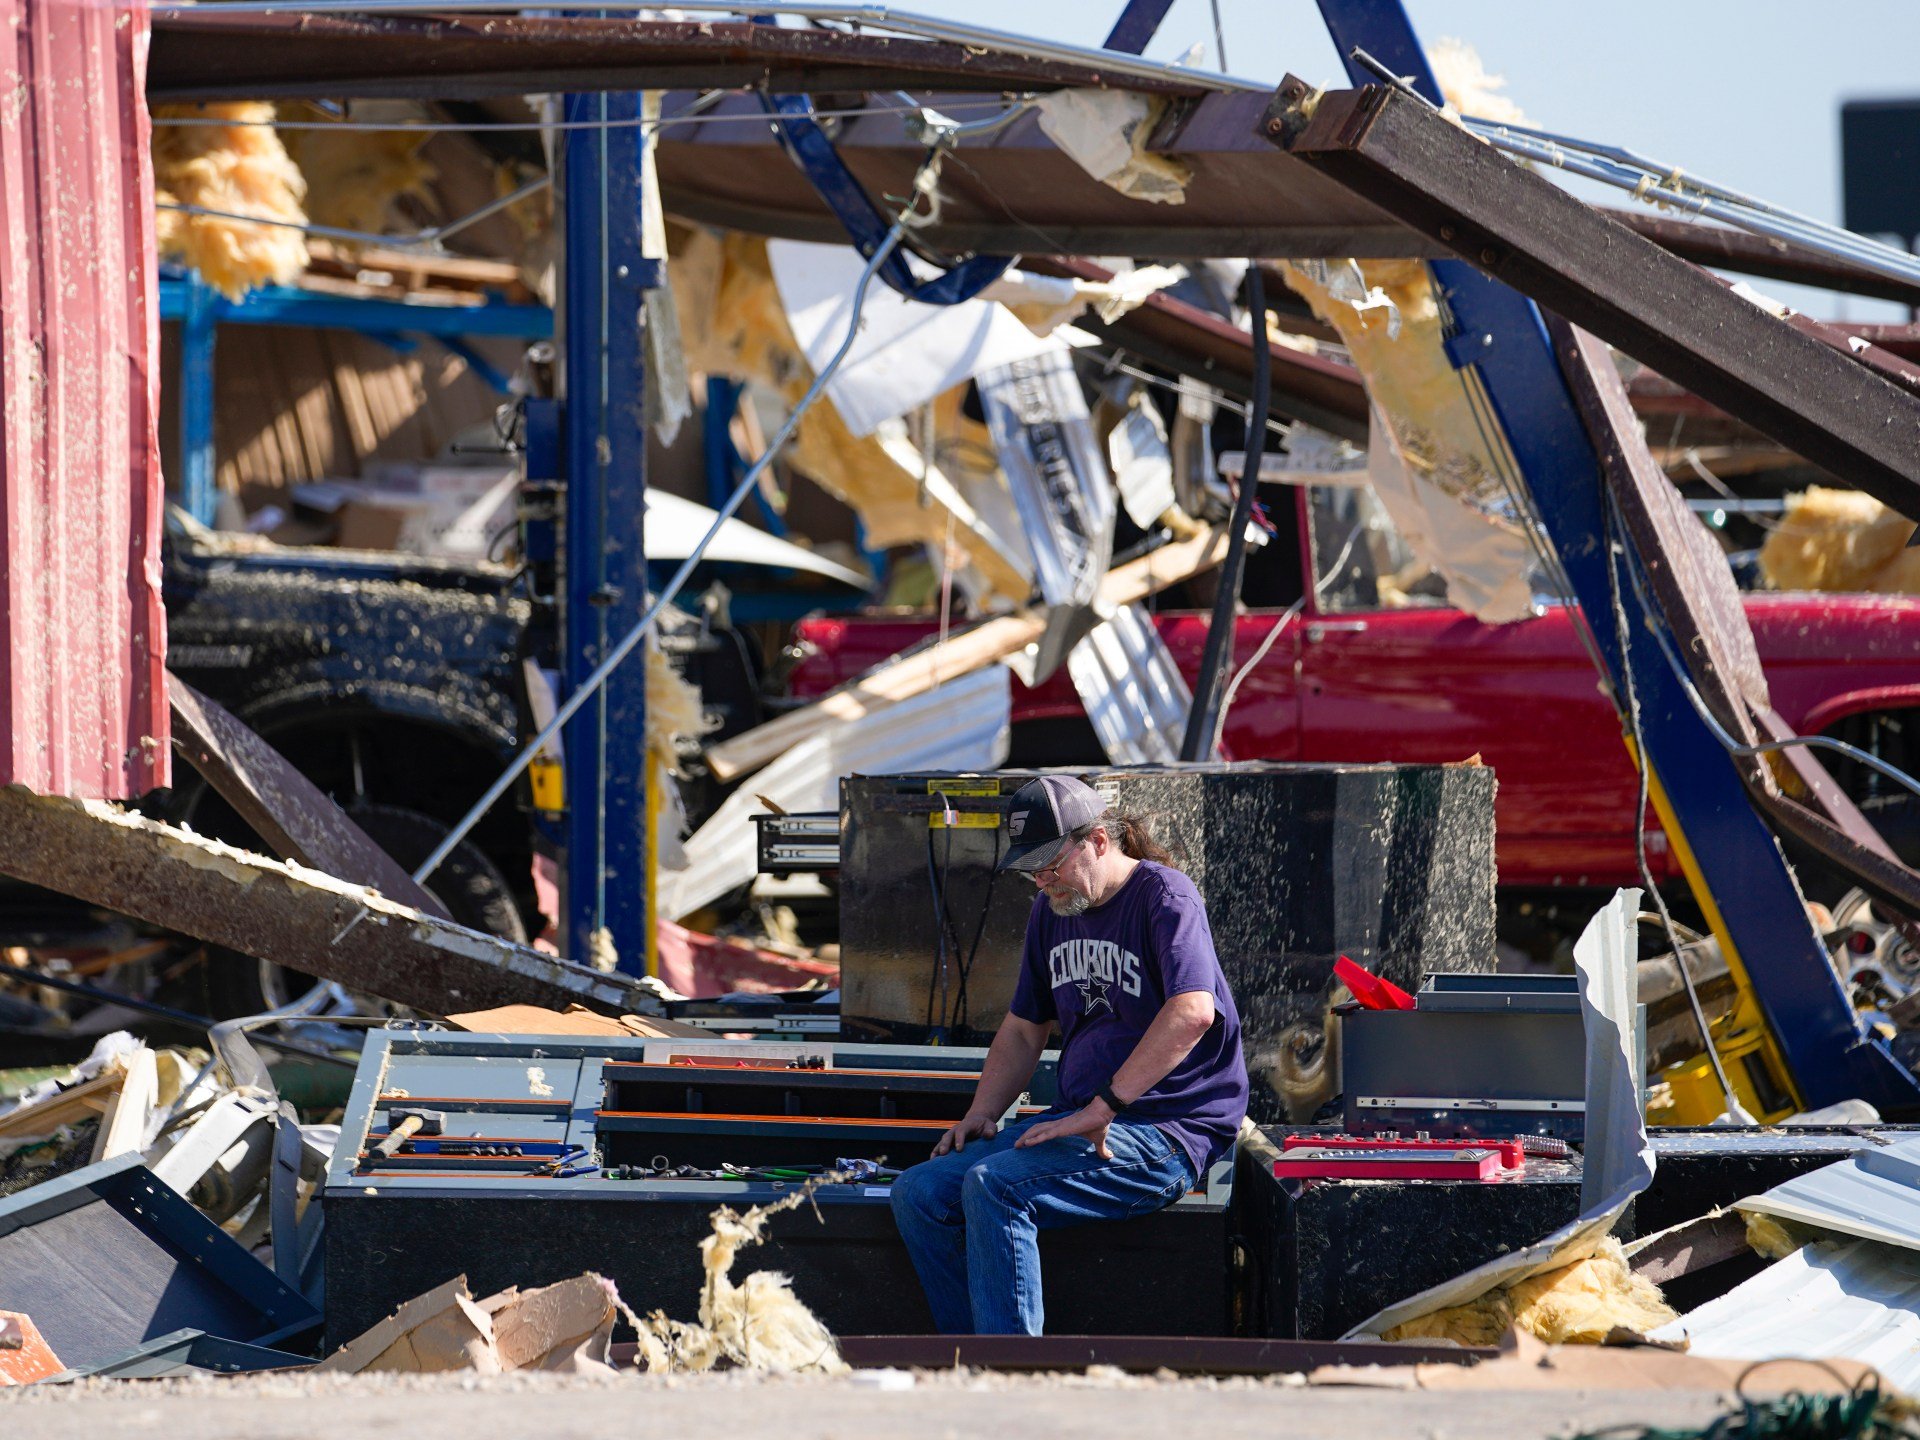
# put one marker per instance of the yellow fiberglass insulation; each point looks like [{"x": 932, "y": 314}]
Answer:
[
  {"x": 1467, "y": 87},
  {"x": 732, "y": 323},
  {"x": 1770, "y": 1237},
  {"x": 1840, "y": 540},
  {"x": 759, "y": 1324},
  {"x": 1576, "y": 1304},
  {"x": 1452, "y": 506},
  {"x": 356, "y": 179},
  {"x": 240, "y": 168},
  {"x": 673, "y": 710}
]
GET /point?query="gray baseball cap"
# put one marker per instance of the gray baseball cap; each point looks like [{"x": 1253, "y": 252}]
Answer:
[{"x": 1042, "y": 816}]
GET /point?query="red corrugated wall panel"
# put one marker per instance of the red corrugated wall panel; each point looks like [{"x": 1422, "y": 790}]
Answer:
[{"x": 83, "y": 703}]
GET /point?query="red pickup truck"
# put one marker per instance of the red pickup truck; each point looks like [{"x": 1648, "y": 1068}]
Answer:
[{"x": 1379, "y": 667}]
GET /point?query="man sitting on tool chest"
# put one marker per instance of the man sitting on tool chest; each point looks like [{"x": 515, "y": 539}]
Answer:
[{"x": 1152, "y": 1082}]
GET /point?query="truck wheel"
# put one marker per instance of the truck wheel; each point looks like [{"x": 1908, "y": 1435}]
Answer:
[{"x": 470, "y": 885}]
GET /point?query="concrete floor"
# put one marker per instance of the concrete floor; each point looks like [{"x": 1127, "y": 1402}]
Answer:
[{"x": 946, "y": 1406}]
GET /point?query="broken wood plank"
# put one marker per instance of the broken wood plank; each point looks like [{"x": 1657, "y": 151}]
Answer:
[
  {"x": 123, "y": 1125},
  {"x": 285, "y": 913},
  {"x": 88, "y": 1100},
  {"x": 966, "y": 652},
  {"x": 287, "y": 810}
]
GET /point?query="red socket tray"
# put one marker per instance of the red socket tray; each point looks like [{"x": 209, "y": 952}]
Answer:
[
  {"x": 1512, "y": 1153},
  {"x": 1342, "y": 1162}
]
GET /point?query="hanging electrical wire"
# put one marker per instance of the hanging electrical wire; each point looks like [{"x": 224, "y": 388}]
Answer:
[{"x": 633, "y": 637}]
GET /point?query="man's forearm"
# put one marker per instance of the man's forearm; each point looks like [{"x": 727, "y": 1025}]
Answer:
[
  {"x": 1009, "y": 1066},
  {"x": 1182, "y": 1021}
]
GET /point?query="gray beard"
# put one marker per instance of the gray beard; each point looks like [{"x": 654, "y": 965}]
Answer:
[{"x": 1072, "y": 903}]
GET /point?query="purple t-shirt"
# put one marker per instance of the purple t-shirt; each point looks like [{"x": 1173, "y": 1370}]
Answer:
[{"x": 1104, "y": 976}]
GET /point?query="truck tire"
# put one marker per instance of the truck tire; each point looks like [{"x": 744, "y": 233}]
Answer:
[{"x": 470, "y": 885}]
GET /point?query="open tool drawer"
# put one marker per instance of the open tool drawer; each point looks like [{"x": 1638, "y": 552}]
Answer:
[{"x": 708, "y": 1116}]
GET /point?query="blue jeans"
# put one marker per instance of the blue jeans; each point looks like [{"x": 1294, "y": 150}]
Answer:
[{"x": 971, "y": 1218}]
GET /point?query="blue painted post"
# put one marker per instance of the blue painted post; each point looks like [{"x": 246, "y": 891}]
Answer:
[
  {"x": 603, "y": 592},
  {"x": 197, "y": 335},
  {"x": 1502, "y": 344}
]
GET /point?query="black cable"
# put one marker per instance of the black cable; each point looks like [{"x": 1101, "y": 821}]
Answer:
[
  {"x": 1642, "y": 766},
  {"x": 937, "y": 977},
  {"x": 960, "y": 1011},
  {"x": 1218, "y": 656},
  {"x": 165, "y": 1012}
]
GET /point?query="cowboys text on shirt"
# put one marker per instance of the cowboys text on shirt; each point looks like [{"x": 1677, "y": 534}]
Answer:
[{"x": 1091, "y": 966}]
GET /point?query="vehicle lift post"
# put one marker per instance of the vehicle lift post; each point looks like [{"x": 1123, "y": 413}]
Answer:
[
  {"x": 1812, "y": 1051},
  {"x": 603, "y": 571}
]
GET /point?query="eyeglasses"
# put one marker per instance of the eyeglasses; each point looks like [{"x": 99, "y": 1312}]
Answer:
[{"x": 1047, "y": 874}]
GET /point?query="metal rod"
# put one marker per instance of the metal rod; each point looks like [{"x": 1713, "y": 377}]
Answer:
[
  {"x": 880, "y": 17},
  {"x": 432, "y": 235},
  {"x": 1758, "y": 219},
  {"x": 1218, "y": 655},
  {"x": 634, "y": 636},
  {"x": 1626, "y": 170}
]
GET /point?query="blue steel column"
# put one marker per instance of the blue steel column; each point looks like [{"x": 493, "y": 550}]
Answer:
[
  {"x": 603, "y": 591},
  {"x": 1503, "y": 342},
  {"x": 197, "y": 337}
]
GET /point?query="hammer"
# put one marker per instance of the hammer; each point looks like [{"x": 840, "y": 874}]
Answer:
[{"x": 404, "y": 1125}]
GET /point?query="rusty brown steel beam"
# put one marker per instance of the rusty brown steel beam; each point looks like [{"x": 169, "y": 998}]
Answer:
[
  {"x": 200, "y": 54},
  {"x": 1762, "y": 256},
  {"x": 1666, "y": 312},
  {"x": 1016, "y": 192},
  {"x": 260, "y": 907},
  {"x": 285, "y": 809}
]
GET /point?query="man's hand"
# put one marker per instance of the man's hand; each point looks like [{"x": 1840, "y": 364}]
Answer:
[
  {"x": 956, "y": 1138},
  {"x": 1090, "y": 1120}
]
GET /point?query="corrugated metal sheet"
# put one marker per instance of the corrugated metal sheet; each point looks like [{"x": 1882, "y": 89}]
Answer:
[
  {"x": 1875, "y": 1194},
  {"x": 1857, "y": 1301},
  {"x": 1134, "y": 693},
  {"x": 83, "y": 707}
]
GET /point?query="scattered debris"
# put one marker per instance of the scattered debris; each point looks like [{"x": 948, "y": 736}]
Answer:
[
  {"x": 567, "y": 1326},
  {"x": 758, "y": 1324},
  {"x": 25, "y": 1356}
]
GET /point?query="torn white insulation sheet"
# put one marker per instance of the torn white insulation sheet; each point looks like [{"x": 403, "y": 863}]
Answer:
[
  {"x": 906, "y": 352},
  {"x": 1044, "y": 303},
  {"x": 1619, "y": 1157},
  {"x": 1133, "y": 692},
  {"x": 962, "y": 725},
  {"x": 675, "y": 526},
  {"x": 1105, "y": 133}
]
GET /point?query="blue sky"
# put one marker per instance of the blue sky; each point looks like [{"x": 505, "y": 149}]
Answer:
[{"x": 1744, "y": 92}]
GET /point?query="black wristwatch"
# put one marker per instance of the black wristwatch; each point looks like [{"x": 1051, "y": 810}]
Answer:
[{"x": 1105, "y": 1092}]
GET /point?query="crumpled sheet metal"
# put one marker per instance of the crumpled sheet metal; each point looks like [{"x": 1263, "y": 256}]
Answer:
[
  {"x": 1134, "y": 694},
  {"x": 1619, "y": 1157},
  {"x": 1854, "y": 1301},
  {"x": 1874, "y": 1194},
  {"x": 1435, "y": 466}
]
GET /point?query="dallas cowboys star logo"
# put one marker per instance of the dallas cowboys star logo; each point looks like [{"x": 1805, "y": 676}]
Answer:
[{"x": 1093, "y": 995}]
